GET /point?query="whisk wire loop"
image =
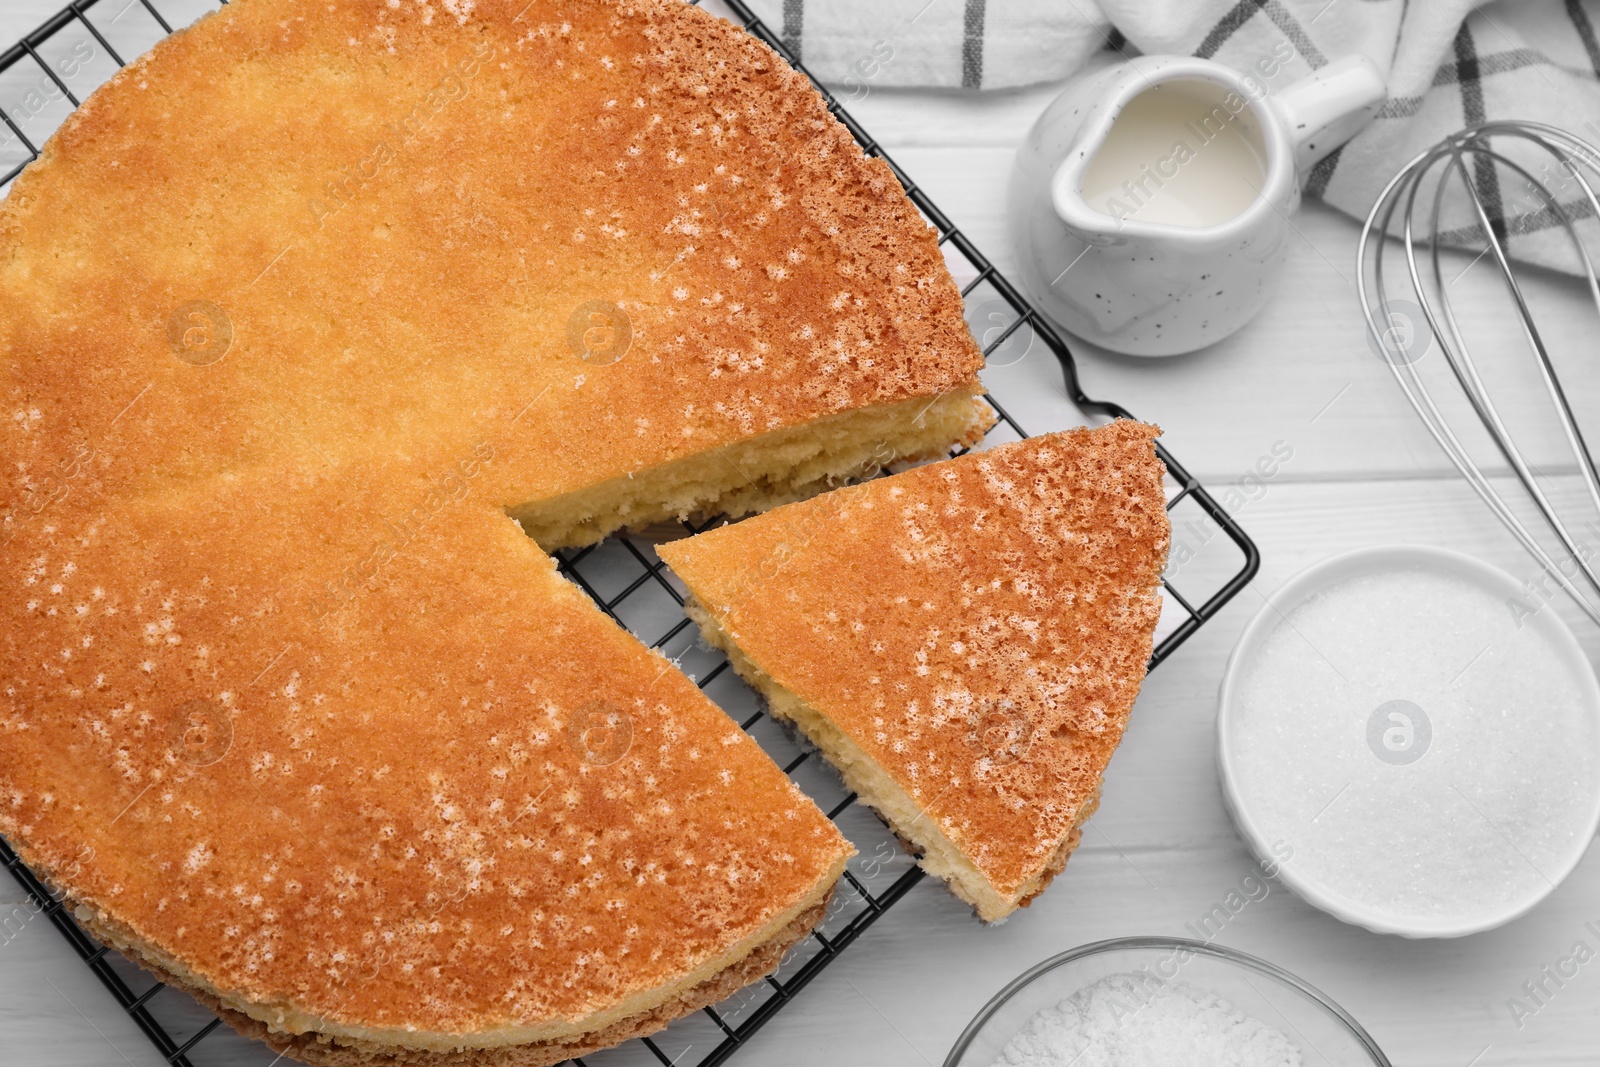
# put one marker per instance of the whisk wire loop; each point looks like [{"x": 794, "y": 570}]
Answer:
[{"x": 1450, "y": 158}]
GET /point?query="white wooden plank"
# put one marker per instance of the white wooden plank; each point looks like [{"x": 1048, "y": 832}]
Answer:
[{"x": 53, "y": 1010}]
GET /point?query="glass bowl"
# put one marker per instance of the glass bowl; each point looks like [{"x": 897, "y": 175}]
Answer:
[{"x": 1325, "y": 1032}]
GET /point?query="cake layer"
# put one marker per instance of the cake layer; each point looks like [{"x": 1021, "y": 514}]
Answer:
[
  {"x": 964, "y": 640},
  {"x": 323, "y": 1051},
  {"x": 293, "y": 311},
  {"x": 506, "y": 822},
  {"x": 766, "y": 471},
  {"x": 607, "y": 237}
]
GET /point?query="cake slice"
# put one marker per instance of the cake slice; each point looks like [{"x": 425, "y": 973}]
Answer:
[{"x": 963, "y": 641}]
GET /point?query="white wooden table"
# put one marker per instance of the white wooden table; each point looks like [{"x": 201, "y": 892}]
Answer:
[{"x": 1161, "y": 851}]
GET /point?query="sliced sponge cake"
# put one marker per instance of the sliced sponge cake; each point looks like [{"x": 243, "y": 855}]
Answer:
[
  {"x": 300, "y": 315},
  {"x": 964, "y": 640}
]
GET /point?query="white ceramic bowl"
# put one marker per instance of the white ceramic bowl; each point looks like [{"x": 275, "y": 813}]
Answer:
[
  {"x": 1326, "y": 1033},
  {"x": 1338, "y": 569}
]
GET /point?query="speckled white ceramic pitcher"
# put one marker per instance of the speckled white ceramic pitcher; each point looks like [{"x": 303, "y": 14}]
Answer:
[{"x": 1151, "y": 203}]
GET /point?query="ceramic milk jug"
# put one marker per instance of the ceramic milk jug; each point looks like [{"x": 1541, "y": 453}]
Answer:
[{"x": 1151, "y": 204}]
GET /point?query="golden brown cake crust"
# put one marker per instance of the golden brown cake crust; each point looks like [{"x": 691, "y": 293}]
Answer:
[
  {"x": 323, "y": 1052},
  {"x": 978, "y": 627},
  {"x": 467, "y": 808},
  {"x": 413, "y": 221},
  {"x": 284, "y": 321}
]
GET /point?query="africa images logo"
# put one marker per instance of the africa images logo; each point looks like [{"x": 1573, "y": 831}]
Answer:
[
  {"x": 199, "y": 732},
  {"x": 199, "y": 333},
  {"x": 599, "y": 332},
  {"x": 599, "y": 733},
  {"x": 1399, "y": 732}
]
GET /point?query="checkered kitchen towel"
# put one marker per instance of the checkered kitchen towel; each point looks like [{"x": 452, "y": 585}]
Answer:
[{"x": 1450, "y": 63}]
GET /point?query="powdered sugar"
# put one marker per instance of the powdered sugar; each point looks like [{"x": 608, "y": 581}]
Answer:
[{"x": 1133, "y": 1020}]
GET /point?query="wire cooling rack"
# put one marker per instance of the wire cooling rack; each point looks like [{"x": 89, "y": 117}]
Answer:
[{"x": 47, "y": 73}]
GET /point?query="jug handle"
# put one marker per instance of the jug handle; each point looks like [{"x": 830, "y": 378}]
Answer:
[{"x": 1329, "y": 106}]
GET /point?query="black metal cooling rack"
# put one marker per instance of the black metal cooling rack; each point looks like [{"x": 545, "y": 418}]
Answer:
[{"x": 622, "y": 574}]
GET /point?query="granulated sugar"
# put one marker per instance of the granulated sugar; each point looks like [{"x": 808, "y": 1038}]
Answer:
[
  {"x": 1127, "y": 1020},
  {"x": 1424, "y": 756}
]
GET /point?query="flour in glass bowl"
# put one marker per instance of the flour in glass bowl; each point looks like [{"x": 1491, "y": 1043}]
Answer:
[
  {"x": 1427, "y": 758},
  {"x": 1121, "y": 1021}
]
